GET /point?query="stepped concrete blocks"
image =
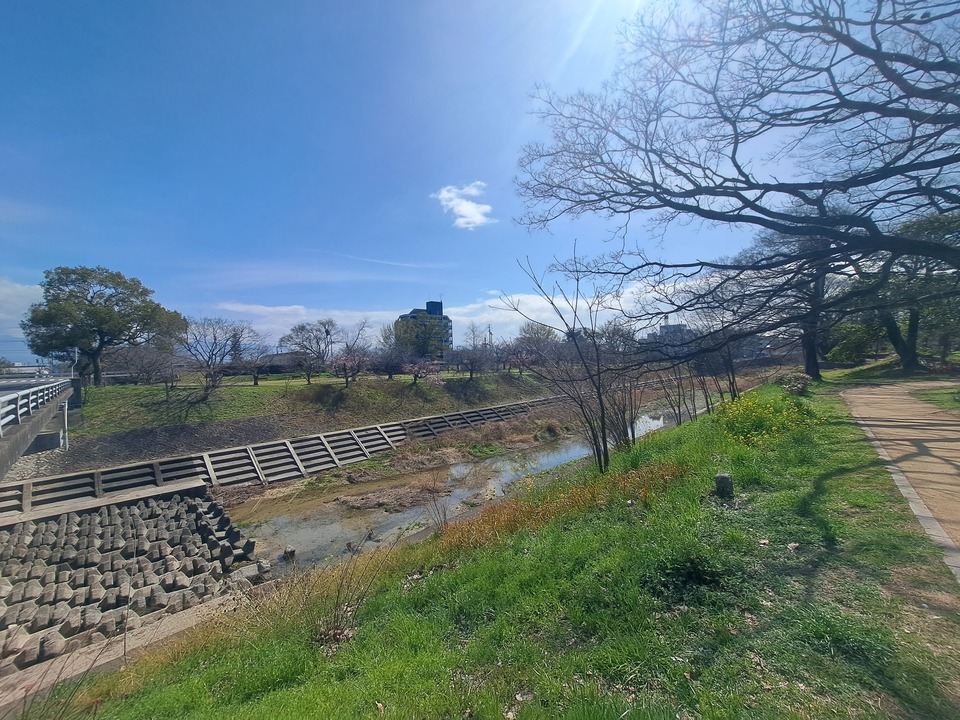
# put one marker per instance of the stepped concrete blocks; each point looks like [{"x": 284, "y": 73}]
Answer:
[
  {"x": 60, "y": 612},
  {"x": 32, "y": 590},
  {"x": 9, "y": 617},
  {"x": 37, "y": 569},
  {"x": 80, "y": 596},
  {"x": 129, "y": 550},
  {"x": 13, "y": 638},
  {"x": 110, "y": 599},
  {"x": 42, "y": 619},
  {"x": 16, "y": 595},
  {"x": 174, "y": 602},
  {"x": 108, "y": 624},
  {"x": 137, "y": 601},
  {"x": 49, "y": 595},
  {"x": 190, "y": 599},
  {"x": 72, "y": 624},
  {"x": 51, "y": 645},
  {"x": 29, "y": 654},
  {"x": 91, "y": 617},
  {"x": 73, "y": 576},
  {"x": 27, "y": 611},
  {"x": 159, "y": 598}
]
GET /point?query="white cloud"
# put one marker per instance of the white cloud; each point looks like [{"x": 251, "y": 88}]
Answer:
[
  {"x": 276, "y": 320},
  {"x": 15, "y": 300},
  {"x": 469, "y": 214},
  {"x": 272, "y": 274},
  {"x": 493, "y": 309}
]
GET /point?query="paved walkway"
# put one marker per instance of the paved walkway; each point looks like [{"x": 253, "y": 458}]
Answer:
[{"x": 921, "y": 441}]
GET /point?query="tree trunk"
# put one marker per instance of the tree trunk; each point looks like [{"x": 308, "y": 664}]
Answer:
[
  {"x": 97, "y": 369},
  {"x": 808, "y": 343},
  {"x": 906, "y": 351},
  {"x": 913, "y": 331}
]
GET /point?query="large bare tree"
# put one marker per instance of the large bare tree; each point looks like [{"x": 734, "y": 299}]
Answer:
[
  {"x": 813, "y": 118},
  {"x": 314, "y": 343},
  {"x": 218, "y": 346}
]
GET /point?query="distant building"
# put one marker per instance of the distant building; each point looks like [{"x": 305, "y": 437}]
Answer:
[
  {"x": 676, "y": 334},
  {"x": 427, "y": 330}
]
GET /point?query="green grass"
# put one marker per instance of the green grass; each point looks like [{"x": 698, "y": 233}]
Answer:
[
  {"x": 119, "y": 408},
  {"x": 948, "y": 398},
  {"x": 634, "y": 595},
  {"x": 885, "y": 371}
]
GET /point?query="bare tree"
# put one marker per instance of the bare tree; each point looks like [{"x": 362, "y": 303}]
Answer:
[
  {"x": 476, "y": 354},
  {"x": 583, "y": 368},
  {"x": 314, "y": 343},
  {"x": 355, "y": 356},
  {"x": 213, "y": 344},
  {"x": 147, "y": 363},
  {"x": 389, "y": 356},
  {"x": 819, "y": 119},
  {"x": 249, "y": 352}
]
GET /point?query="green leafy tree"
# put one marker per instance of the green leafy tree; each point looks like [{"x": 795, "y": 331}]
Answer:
[
  {"x": 93, "y": 309},
  {"x": 423, "y": 337},
  {"x": 852, "y": 341}
]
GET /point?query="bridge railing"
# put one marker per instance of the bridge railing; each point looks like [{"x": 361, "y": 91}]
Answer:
[{"x": 16, "y": 407}]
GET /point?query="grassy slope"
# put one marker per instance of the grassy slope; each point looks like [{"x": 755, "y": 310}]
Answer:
[
  {"x": 637, "y": 596},
  {"x": 948, "y": 398},
  {"x": 119, "y": 408}
]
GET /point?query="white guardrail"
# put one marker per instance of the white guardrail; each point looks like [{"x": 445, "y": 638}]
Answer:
[{"x": 17, "y": 406}]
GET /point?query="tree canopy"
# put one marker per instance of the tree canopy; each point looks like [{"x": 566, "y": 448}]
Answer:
[{"x": 92, "y": 309}]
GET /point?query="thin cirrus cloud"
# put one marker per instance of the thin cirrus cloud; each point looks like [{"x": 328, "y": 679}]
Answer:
[
  {"x": 284, "y": 274},
  {"x": 390, "y": 263},
  {"x": 469, "y": 214}
]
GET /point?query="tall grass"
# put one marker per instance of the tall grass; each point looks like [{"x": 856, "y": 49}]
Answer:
[{"x": 637, "y": 594}]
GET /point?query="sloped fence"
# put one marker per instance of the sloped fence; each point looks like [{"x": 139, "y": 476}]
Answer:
[
  {"x": 17, "y": 407},
  {"x": 264, "y": 463}
]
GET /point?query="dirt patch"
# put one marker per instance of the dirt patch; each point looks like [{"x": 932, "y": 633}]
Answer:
[
  {"x": 87, "y": 453},
  {"x": 393, "y": 499}
]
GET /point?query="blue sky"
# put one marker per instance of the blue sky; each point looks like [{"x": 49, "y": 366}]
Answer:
[{"x": 279, "y": 162}]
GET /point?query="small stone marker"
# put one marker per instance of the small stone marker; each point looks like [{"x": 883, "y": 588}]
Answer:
[{"x": 724, "y": 488}]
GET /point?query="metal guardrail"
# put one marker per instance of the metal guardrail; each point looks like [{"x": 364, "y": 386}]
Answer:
[
  {"x": 17, "y": 406},
  {"x": 264, "y": 463}
]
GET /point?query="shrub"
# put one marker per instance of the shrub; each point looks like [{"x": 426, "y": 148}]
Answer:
[
  {"x": 795, "y": 383},
  {"x": 754, "y": 418}
]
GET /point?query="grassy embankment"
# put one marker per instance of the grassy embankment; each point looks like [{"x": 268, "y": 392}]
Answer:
[
  {"x": 948, "y": 398},
  {"x": 635, "y": 595},
  {"x": 118, "y": 408}
]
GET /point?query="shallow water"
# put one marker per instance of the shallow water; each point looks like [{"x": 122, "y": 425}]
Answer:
[{"x": 332, "y": 530}]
